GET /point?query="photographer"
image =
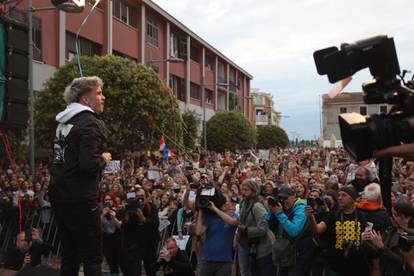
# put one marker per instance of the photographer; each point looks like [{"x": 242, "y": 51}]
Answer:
[
  {"x": 174, "y": 261},
  {"x": 393, "y": 241},
  {"x": 111, "y": 235},
  {"x": 139, "y": 234},
  {"x": 294, "y": 228},
  {"x": 322, "y": 207},
  {"x": 28, "y": 251},
  {"x": 344, "y": 229},
  {"x": 218, "y": 226},
  {"x": 254, "y": 236}
]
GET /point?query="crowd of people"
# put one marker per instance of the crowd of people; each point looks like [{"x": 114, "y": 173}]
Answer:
[{"x": 301, "y": 211}]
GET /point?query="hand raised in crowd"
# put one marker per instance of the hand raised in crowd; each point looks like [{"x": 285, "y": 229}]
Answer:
[
  {"x": 377, "y": 239},
  {"x": 27, "y": 259},
  {"x": 276, "y": 208},
  {"x": 107, "y": 157},
  {"x": 242, "y": 228},
  {"x": 165, "y": 256},
  {"x": 35, "y": 234},
  {"x": 140, "y": 215},
  {"x": 212, "y": 207},
  {"x": 367, "y": 235},
  {"x": 309, "y": 211}
]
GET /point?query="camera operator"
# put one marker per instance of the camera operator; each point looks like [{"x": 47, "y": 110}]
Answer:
[
  {"x": 111, "y": 235},
  {"x": 218, "y": 225},
  {"x": 139, "y": 234},
  {"x": 293, "y": 226},
  {"x": 254, "y": 236},
  {"x": 28, "y": 251},
  {"x": 344, "y": 229},
  {"x": 174, "y": 261},
  {"x": 393, "y": 241}
]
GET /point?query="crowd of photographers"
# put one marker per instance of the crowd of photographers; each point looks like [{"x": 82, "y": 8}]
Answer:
[{"x": 305, "y": 211}]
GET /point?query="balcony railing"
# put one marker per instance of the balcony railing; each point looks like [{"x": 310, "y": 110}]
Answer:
[{"x": 262, "y": 118}]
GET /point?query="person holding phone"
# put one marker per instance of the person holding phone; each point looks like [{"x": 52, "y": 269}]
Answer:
[
  {"x": 390, "y": 244},
  {"x": 174, "y": 261}
]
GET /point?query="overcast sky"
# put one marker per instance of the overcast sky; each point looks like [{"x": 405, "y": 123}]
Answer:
[{"x": 274, "y": 40}]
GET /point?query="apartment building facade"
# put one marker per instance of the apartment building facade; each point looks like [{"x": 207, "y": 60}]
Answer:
[
  {"x": 201, "y": 77},
  {"x": 263, "y": 108}
]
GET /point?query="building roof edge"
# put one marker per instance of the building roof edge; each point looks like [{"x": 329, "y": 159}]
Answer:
[{"x": 186, "y": 29}]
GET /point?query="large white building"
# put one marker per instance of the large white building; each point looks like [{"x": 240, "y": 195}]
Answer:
[{"x": 344, "y": 103}]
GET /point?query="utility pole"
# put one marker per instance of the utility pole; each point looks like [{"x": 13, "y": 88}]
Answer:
[{"x": 31, "y": 94}]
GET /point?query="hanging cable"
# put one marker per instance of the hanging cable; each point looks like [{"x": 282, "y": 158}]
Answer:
[
  {"x": 77, "y": 41},
  {"x": 13, "y": 167}
]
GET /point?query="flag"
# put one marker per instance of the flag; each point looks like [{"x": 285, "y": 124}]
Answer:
[
  {"x": 162, "y": 143},
  {"x": 164, "y": 150},
  {"x": 167, "y": 153}
]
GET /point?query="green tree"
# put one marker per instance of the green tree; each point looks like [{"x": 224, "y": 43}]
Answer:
[
  {"x": 229, "y": 130},
  {"x": 191, "y": 122},
  {"x": 271, "y": 136},
  {"x": 138, "y": 105}
]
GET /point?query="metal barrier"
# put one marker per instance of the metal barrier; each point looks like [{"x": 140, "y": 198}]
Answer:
[{"x": 47, "y": 231}]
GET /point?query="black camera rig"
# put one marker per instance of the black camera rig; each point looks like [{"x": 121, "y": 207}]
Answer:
[{"x": 362, "y": 136}]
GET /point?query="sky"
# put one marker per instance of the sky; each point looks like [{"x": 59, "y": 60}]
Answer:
[{"x": 274, "y": 41}]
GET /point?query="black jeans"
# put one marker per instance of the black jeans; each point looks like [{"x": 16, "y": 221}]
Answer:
[
  {"x": 79, "y": 227},
  {"x": 132, "y": 259},
  {"x": 112, "y": 250}
]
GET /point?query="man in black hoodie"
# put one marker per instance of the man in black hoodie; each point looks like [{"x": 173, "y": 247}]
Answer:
[{"x": 78, "y": 160}]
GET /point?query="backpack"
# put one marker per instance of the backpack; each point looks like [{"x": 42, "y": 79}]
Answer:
[{"x": 284, "y": 248}]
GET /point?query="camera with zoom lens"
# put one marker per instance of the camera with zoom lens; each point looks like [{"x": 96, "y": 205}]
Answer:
[
  {"x": 209, "y": 194},
  {"x": 273, "y": 201},
  {"x": 361, "y": 136},
  {"x": 109, "y": 206},
  {"x": 406, "y": 242},
  {"x": 134, "y": 202}
]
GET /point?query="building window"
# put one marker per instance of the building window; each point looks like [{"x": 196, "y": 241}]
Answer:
[
  {"x": 221, "y": 73},
  {"x": 119, "y": 54},
  {"x": 178, "y": 46},
  {"x": 383, "y": 109},
  {"x": 124, "y": 12},
  {"x": 208, "y": 62},
  {"x": 363, "y": 110},
  {"x": 194, "y": 53},
  {"x": 342, "y": 110},
  {"x": 233, "y": 102},
  {"x": 87, "y": 47},
  {"x": 259, "y": 100},
  {"x": 208, "y": 96},
  {"x": 37, "y": 39},
  {"x": 152, "y": 31},
  {"x": 177, "y": 85},
  {"x": 195, "y": 91}
]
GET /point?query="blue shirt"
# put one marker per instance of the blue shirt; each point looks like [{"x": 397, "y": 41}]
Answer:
[{"x": 217, "y": 245}]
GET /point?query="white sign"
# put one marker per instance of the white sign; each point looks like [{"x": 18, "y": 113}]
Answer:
[
  {"x": 264, "y": 154},
  {"x": 153, "y": 175},
  {"x": 114, "y": 166},
  {"x": 181, "y": 243},
  {"x": 164, "y": 223}
]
